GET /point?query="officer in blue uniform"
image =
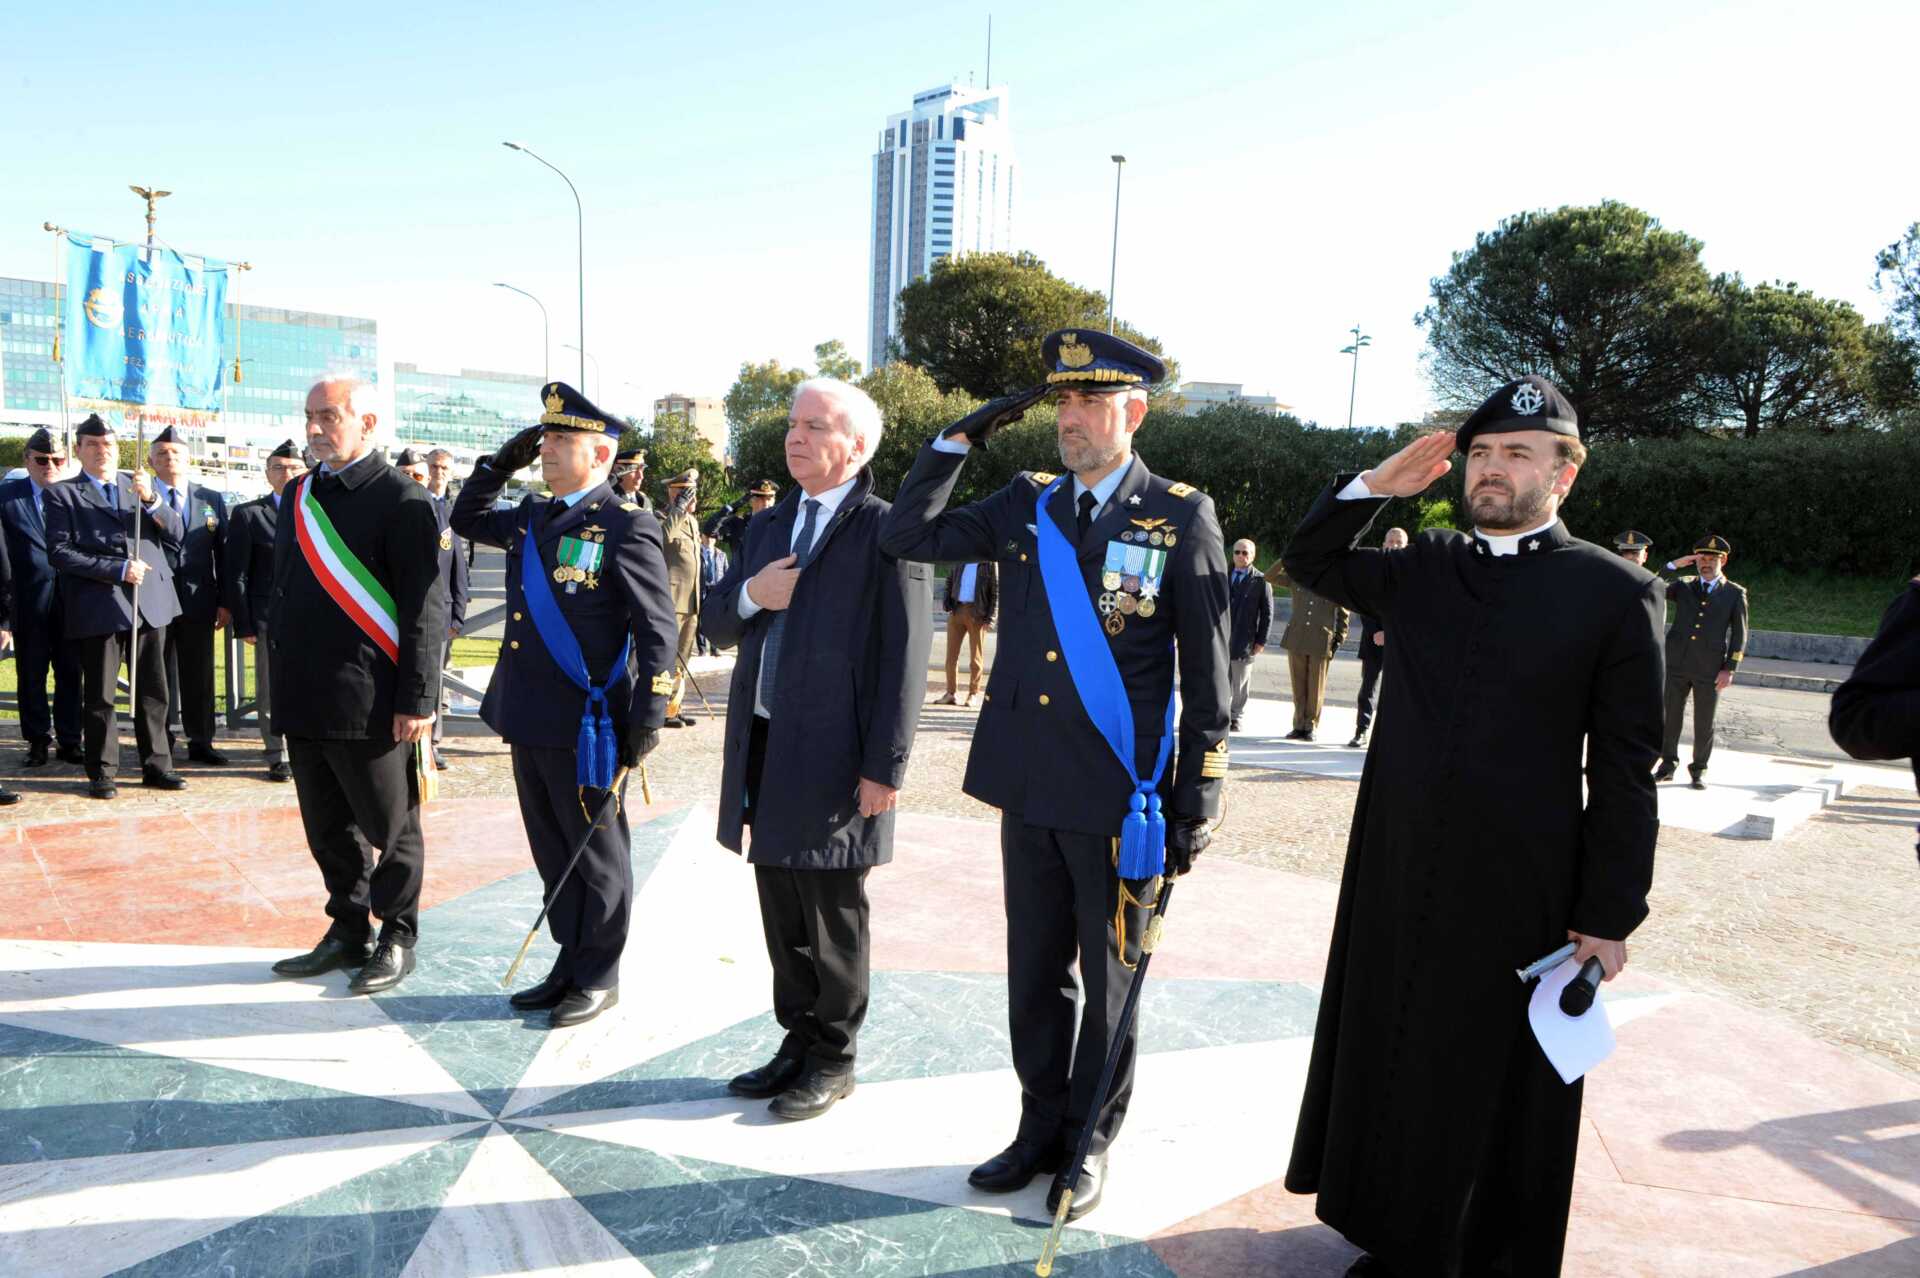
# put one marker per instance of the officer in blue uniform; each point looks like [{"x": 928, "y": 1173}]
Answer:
[
  {"x": 590, "y": 628},
  {"x": 1122, "y": 573}
]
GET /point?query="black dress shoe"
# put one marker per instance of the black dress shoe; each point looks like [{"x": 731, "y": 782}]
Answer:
[
  {"x": 206, "y": 754},
  {"x": 439, "y": 761},
  {"x": 1016, "y": 1165},
  {"x": 580, "y": 1006},
  {"x": 542, "y": 997},
  {"x": 813, "y": 1094},
  {"x": 1699, "y": 779},
  {"x": 1086, "y": 1195},
  {"x": 7, "y": 797},
  {"x": 71, "y": 754},
  {"x": 390, "y": 964},
  {"x": 1368, "y": 1267},
  {"x": 1666, "y": 770},
  {"x": 102, "y": 788},
  {"x": 36, "y": 755},
  {"x": 1358, "y": 742},
  {"x": 158, "y": 780},
  {"x": 770, "y": 1079},
  {"x": 280, "y": 772},
  {"x": 332, "y": 952}
]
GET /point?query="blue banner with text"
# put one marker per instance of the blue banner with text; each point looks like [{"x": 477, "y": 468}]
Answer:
[{"x": 145, "y": 329}]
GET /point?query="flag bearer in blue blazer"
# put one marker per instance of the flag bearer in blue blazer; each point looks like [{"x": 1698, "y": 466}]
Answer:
[
  {"x": 583, "y": 678},
  {"x": 1112, "y": 579}
]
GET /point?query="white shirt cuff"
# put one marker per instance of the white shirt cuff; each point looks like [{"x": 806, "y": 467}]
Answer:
[
  {"x": 948, "y": 444},
  {"x": 1356, "y": 491},
  {"x": 747, "y": 606}
]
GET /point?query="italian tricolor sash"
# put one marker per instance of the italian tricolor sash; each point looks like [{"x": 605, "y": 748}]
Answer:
[{"x": 355, "y": 589}]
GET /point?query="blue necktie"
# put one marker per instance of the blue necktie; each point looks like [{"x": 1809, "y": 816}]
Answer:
[{"x": 770, "y": 648}]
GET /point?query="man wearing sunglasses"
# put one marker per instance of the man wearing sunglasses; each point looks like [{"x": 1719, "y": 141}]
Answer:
[{"x": 35, "y": 613}]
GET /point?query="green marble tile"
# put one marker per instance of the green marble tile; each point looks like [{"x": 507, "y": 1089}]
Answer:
[
  {"x": 66, "y": 1097},
  {"x": 367, "y": 1227},
  {"x": 683, "y": 1217}
]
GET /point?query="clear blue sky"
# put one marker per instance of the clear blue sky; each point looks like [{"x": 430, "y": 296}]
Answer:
[{"x": 1291, "y": 171}]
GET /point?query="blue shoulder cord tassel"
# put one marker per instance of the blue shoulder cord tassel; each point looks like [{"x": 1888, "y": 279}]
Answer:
[
  {"x": 1143, "y": 835},
  {"x": 596, "y": 751}
]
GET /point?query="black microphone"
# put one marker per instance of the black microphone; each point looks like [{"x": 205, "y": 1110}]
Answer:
[{"x": 1579, "y": 993}]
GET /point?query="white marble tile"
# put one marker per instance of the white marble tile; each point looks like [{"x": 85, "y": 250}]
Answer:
[
  {"x": 696, "y": 963},
  {"x": 83, "y": 1216},
  {"x": 222, "y": 1006},
  {"x": 506, "y": 1215},
  {"x": 918, "y": 1138}
]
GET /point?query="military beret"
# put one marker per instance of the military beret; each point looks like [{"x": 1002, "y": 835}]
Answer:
[
  {"x": 41, "y": 441},
  {"x": 166, "y": 437},
  {"x": 286, "y": 449},
  {"x": 1712, "y": 544},
  {"x": 1530, "y": 403},
  {"x": 568, "y": 409},
  {"x": 1631, "y": 540},
  {"x": 93, "y": 426},
  {"x": 685, "y": 478},
  {"x": 764, "y": 488},
  {"x": 409, "y": 457},
  {"x": 1077, "y": 359}
]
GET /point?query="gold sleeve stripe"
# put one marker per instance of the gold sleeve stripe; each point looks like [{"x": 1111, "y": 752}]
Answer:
[{"x": 662, "y": 684}]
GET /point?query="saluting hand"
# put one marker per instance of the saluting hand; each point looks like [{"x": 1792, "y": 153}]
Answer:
[
  {"x": 1413, "y": 468},
  {"x": 772, "y": 586}
]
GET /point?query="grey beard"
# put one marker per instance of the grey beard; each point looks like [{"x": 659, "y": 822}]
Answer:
[
  {"x": 1518, "y": 513},
  {"x": 1086, "y": 457}
]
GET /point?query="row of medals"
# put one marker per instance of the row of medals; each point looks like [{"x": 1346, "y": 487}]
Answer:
[
  {"x": 571, "y": 577},
  {"x": 1123, "y": 598}
]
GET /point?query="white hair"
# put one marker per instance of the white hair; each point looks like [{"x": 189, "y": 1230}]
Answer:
[
  {"x": 857, "y": 409},
  {"x": 1135, "y": 394},
  {"x": 1244, "y": 541},
  {"x": 363, "y": 397}
]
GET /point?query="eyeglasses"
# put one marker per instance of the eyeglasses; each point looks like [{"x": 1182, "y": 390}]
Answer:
[
  {"x": 1243, "y": 554},
  {"x": 41, "y": 459}
]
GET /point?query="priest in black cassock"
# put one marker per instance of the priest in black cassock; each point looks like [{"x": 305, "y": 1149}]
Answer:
[{"x": 1433, "y": 1129}]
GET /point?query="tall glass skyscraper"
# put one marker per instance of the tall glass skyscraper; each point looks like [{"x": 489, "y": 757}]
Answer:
[{"x": 942, "y": 186}]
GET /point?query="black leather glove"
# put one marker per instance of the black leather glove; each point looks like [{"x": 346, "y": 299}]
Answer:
[
  {"x": 638, "y": 745},
  {"x": 519, "y": 452},
  {"x": 994, "y": 414},
  {"x": 1187, "y": 838}
]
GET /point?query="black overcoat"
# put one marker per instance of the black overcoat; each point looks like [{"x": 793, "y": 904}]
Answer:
[
  {"x": 1252, "y": 615},
  {"x": 249, "y": 563},
  {"x": 1473, "y": 851},
  {"x": 329, "y": 679},
  {"x": 852, "y": 675},
  {"x": 1876, "y": 712}
]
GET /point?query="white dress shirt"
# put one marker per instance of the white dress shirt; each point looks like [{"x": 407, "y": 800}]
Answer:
[{"x": 829, "y": 502}]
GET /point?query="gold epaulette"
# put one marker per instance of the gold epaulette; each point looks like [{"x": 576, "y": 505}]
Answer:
[
  {"x": 662, "y": 683},
  {"x": 1042, "y": 477},
  {"x": 1183, "y": 490},
  {"x": 1213, "y": 764}
]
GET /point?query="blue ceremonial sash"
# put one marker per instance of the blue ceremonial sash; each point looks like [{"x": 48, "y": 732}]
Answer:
[
  {"x": 1096, "y": 677},
  {"x": 596, "y": 750}
]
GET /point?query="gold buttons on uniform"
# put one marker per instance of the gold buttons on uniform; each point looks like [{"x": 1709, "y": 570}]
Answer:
[
  {"x": 516, "y": 616},
  {"x": 1023, "y": 556},
  {"x": 1052, "y": 655},
  {"x": 1045, "y": 700},
  {"x": 513, "y": 643}
]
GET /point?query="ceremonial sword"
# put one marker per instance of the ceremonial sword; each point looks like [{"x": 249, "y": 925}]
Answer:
[{"x": 611, "y": 802}]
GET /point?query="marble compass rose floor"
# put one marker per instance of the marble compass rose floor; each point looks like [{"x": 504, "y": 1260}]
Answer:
[{"x": 168, "y": 1107}]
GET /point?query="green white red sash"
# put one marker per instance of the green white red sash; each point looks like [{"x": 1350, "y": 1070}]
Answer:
[{"x": 355, "y": 589}]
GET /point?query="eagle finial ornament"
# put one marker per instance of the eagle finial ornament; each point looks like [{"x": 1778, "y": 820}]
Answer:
[{"x": 1528, "y": 400}]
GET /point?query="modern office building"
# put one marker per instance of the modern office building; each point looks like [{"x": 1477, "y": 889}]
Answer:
[
  {"x": 469, "y": 412},
  {"x": 1198, "y": 397},
  {"x": 707, "y": 415},
  {"x": 942, "y": 187},
  {"x": 281, "y": 353}
]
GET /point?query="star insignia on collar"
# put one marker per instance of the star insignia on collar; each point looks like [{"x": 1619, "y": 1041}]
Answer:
[
  {"x": 1134, "y": 500},
  {"x": 1534, "y": 544}
]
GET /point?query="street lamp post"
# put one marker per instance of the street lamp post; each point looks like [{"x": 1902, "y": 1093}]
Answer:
[
  {"x": 580, "y": 240},
  {"x": 1113, "y": 270},
  {"x": 583, "y": 369},
  {"x": 546, "y": 331},
  {"x": 1359, "y": 339}
]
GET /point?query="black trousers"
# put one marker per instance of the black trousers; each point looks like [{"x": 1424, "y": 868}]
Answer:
[
  {"x": 816, "y": 925},
  {"x": 190, "y": 677},
  {"x": 589, "y": 917},
  {"x": 356, "y": 796},
  {"x": 1372, "y": 658},
  {"x": 101, "y": 657},
  {"x": 39, "y": 647},
  {"x": 1065, "y": 980},
  {"x": 1706, "y": 699}
]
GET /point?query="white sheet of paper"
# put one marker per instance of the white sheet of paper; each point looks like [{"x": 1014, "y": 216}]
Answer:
[{"x": 1574, "y": 1044}]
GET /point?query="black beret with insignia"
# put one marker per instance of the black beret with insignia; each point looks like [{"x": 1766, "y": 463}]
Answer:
[
  {"x": 286, "y": 449},
  {"x": 41, "y": 441},
  {"x": 1531, "y": 403},
  {"x": 166, "y": 437},
  {"x": 1082, "y": 359},
  {"x": 568, "y": 409},
  {"x": 92, "y": 426},
  {"x": 1631, "y": 540},
  {"x": 1712, "y": 544},
  {"x": 409, "y": 457}
]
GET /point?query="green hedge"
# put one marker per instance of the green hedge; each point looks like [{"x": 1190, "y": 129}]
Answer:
[{"x": 1844, "y": 504}]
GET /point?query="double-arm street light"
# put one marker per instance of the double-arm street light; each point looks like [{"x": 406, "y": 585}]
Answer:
[
  {"x": 546, "y": 331},
  {"x": 580, "y": 240},
  {"x": 1113, "y": 270},
  {"x": 1359, "y": 339}
]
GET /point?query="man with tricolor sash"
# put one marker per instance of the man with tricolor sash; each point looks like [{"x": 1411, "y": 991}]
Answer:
[
  {"x": 581, "y": 687},
  {"x": 359, "y": 615},
  {"x": 1112, "y": 579}
]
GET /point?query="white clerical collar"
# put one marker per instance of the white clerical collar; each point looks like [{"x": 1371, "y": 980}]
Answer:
[
  {"x": 1499, "y": 544},
  {"x": 1102, "y": 491}
]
